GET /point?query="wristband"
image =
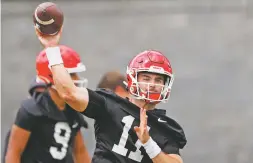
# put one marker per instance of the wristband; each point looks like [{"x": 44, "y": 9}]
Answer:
[
  {"x": 151, "y": 147},
  {"x": 54, "y": 56}
]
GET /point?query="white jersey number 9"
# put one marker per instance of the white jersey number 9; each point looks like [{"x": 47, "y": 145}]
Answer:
[{"x": 61, "y": 139}]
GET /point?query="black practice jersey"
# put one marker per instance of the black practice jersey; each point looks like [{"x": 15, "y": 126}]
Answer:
[
  {"x": 52, "y": 131},
  {"x": 117, "y": 141}
]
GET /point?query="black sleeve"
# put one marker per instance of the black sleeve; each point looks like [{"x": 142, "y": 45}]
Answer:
[
  {"x": 171, "y": 148},
  {"x": 24, "y": 119},
  {"x": 96, "y": 106}
]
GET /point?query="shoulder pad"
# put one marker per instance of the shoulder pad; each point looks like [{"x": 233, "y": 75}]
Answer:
[
  {"x": 32, "y": 107},
  {"x": 108, "y": 93},
  {"x": 174, "y": 129}
]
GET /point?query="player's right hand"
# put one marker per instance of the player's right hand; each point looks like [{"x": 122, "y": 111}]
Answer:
[
  {"x": 142, "y": 130},
  {"x": 48, "y": 40}
]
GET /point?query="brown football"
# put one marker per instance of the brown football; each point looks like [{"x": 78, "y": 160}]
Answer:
[{"x": 48, "y": 18}]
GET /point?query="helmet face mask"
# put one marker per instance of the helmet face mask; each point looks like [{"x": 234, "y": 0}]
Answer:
[
  {"x": 72, "y": 63},
  {"x": 154, "y": 64},
  {"x": 82, "y": 82}
]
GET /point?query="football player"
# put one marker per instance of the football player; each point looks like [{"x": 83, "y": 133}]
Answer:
[
  {"x": 46, "y": 129},
  {"x": 114, "y": 81},
  {"x": 127, "y": 131}
]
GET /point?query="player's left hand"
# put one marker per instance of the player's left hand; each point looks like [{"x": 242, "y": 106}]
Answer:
[{"x": 142, "y": 131}]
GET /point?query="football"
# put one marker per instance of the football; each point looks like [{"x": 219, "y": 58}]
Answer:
[{"x": 48, "y": 18}]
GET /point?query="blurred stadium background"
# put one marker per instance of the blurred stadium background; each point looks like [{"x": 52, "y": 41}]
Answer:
[{"x": 209, "y": 43}]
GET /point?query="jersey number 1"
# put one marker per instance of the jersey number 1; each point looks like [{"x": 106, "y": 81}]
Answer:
[
  {"x": 120, "y": 148},
  {"x": 61, "y": 139}
]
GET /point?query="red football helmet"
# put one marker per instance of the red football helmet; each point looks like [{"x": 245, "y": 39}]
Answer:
[
  {"x": 154, "y": 62},
  {"x": 71, "y": 61}
]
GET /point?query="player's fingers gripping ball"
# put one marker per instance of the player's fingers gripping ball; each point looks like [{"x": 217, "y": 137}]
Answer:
[{"x": 47, "y": 40}]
